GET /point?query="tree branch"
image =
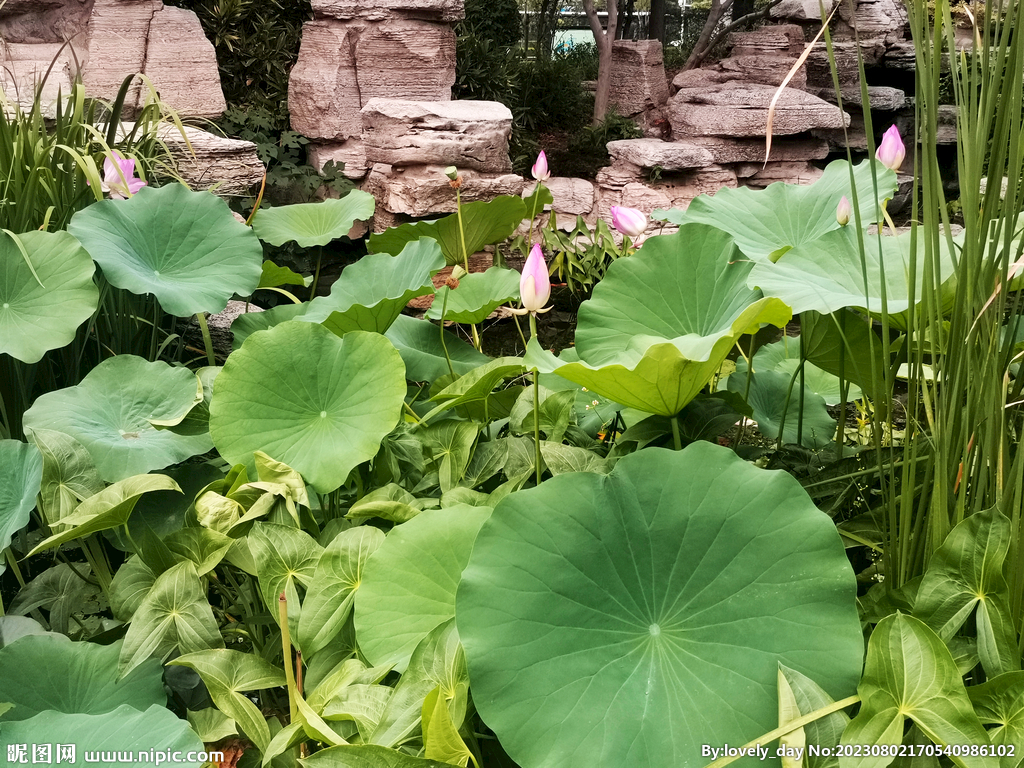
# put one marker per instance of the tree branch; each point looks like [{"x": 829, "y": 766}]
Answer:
[{"x": 699, "y": 54}]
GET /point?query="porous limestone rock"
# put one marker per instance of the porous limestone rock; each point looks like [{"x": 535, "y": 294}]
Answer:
[
  {"x": 770, "y": 70},
  {"x": 741, "y": 109},
  {"x": 379, "y": 10},
  {"x": 421, "y": 190},
  {"x": 786, "y": 172},
  {"x": 116, "y": 45},
  {"x": 639, "y": 83},
  {"x": 230, "y": 166},
  {"x": 23, "y": 67},
  {"x": 466, "y": 134},
  {"x": 673, "y": 190},
  {"x": 774, "y": 40},
  {"x": 182, "y": 63},
  {"x": 323, "y": 94},
  {"x": 801, "y": 10},
  {"x": 350, "y": 152},
  {"x": 405, "y": 59},
  {"x": 652, "y": 153},
  {"x": 701, "y": 151},
  {"x": 45, "y": 21}
]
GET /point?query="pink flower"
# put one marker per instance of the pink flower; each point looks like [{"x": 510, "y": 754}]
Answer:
[
  {"x": 535, "y": 285},
  {"x": 891, "y": 151},
  {"x": 843, "y": 211},
  {"x": 119, "y": 177},
  {"x": 540, "y": 168},
  {"x": 629, "y": 221}
]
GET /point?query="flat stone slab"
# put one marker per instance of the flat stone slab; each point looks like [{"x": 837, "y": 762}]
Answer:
[
  {"x": 741, "y": 109},
  {"x": 694, "y": 152},
  {"x": 421, "y": 190},
  {"x": 378, "y": 10},
  {"x": 224, "y": 166},
  {"x": 466, "y": 134}
]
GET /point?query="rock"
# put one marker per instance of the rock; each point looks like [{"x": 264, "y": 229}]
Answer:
[
  {"x": 45, "y": 21},
  {"x": 705, "y": 77},
  {"x": 801, "y": 10},
  {"x": 855, "y": 134},
  {"x": 323, "y": 95},
  {"x": 116, "y": 47},
  {"x": 406, "y": 59},
  {"x": 770, "y": 70},
  {"x": 421, "y": 190},
  {"x": 182, "y": 64},
  {"x": 466, "y": 134},
  {"x": 741, "y": 109},
  {"x": 230, "y": 165},
  {"x": 379, "y": 10},
  {"x": 786, "y": 172},
  {"x": 874, "y": 18},
  {"x": 351, "y": 153},
  {"x": 725, "y": 151},
  {"x": 674, "y": 190},
  {"x": 882, "y": 98},
  {"x": 652, "y": 153},
  {"x": 639, "y": 83},
  {"x": 819, "y": 72},
  {"x": 901, "y": 55},
  {"x": 776, "y": 40},
  {"x": 23, "y": 66},
  {"x": 574, "y": 197}
]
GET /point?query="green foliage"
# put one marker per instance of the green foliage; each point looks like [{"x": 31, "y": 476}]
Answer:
[{"x": 494, "y": 20}]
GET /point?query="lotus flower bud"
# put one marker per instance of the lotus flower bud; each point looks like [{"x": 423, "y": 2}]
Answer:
[
  {"x": 629, "y": 221},
  {"x": 540, "y": 168},
  {"x": 535, "y": 286},
  {"x": 843, "y": 211},
  {"x": 891, "y": 151}
]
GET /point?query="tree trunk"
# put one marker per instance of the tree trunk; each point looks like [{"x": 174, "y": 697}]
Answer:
[
  {"x": 702, "y": 47},
  {"x": 603, "y": 38},
  {"x": 626, "y": 19},
  {"x": 656, "y": 24}
]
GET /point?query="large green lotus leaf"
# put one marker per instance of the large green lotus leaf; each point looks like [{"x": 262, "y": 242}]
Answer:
[
  {"x": 688, "y": 289},
  {"x": 969, "y": 570},
  {"x": 371, "y": 293},
  {"x": 419, "y": 344},
  {"x": 44, "y": 672},
  {"x": 184, "y": 247},
  {"x": 477, "y": 296},
  {"x": 21, "y": 473},
  {"x": 627, "y": 619},
  {"x": 111, "y": 413},
  {"x": 16, "y": 627},
  {"x": 1000, "y": 702},
  {"x": 336, "y": 580},
  {"x": 828, "y": 274},
  {"x": 245, "y": 325},
  {"x": 310, "y": 224},
  {"x": 784, "y": 356},
  {"x": 319, "y": 403},
  {"x": 409, "y": 583},
  {"x": 909, "y": 672},
  {"x": 121, "y": 730},
  {"x": 35, "y": 318},
  {"x": 482, "y": 223},
  {"x": 775, "y": 399},
  {"x": 788, "y": 215}
]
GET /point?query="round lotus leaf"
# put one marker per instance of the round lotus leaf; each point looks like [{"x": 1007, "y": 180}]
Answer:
[
  {"x": 627, "y": 619},
  {"x": 310, "y": 224},
  {"x": 408, "y": 586},
  {"x": 319, "y": 403},
  {"x": 184, "y": 247},
  {"x": 45, "y": 292},
  {"x": 111, "y": 413},
  {"x": 21, "y": 474}
]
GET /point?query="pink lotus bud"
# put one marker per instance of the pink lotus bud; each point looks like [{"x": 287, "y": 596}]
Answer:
[
  {"x": 843, "y": 211},
  {"x": 535, "y": 286},
  {"x": 629, "y": 221},
  {"x": 891, "y": 151},
  {"x": 540, "y": 168},
  {"x": 119, "y": 179}
]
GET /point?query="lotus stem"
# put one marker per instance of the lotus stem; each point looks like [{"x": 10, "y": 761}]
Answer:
[
  {"x": 536, "y": 404},
  {"x": 444, "y": 346},
  {"x": 286, "y": 645},
  {"x": 316, "y": 275},
  {"x": 677, "y": 440}
]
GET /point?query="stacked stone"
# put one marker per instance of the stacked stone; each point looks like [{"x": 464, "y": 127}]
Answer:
[
  {"x": 357, "y": 50},
  {"x": 110, "y": 39}
]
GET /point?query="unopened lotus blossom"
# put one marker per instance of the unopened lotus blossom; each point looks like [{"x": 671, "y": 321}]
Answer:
[
  {"x": 119, "y": 179},
  {"x": 843, "y": 211},
  {"x": 891, "y": 151},
  {"x": 540, "y": 168},
  {"x": 629, "y": 221},
  {"x": 535, "y": 285}
]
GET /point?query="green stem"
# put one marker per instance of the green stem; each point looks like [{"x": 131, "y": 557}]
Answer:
[
  {"x": 536, "y": 404},
  {"x": 462, "y": 232},
  {"x": 286, "y": 646},
  {"x": 444, "y": 346},
  {"x": 211, "y": 358},
  {"x": 676, "y": 439},
  {"x": 316, "y": 275}
]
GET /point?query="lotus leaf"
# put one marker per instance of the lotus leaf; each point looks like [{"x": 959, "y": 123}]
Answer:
[
  {"x": 627, "y": 619},
  {"x": 409, "y": 583},
  {"x": 478, "y": 294},
  {"x": 1000, "y": 701},
  {"x": 419, "y": 344},
  {"x": 784, "y": 356},
  {"x": 828, "y": 274},
  {"x": 47, "y": 672},
  {"x": 371, "y": 293},
  {"x": 184, "y": 247},
  {"x": 21, "y": 473},
  {"x": 776, "y": 401},
  {"x": 46, "y": 292},
  {"x": 769, "y": 221},
  {"x": 310, "y": 224},
  {"x": 319, "y": 403},
  {"x": 124, "y": 729},
  {"x": 111, "y": 413}
]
